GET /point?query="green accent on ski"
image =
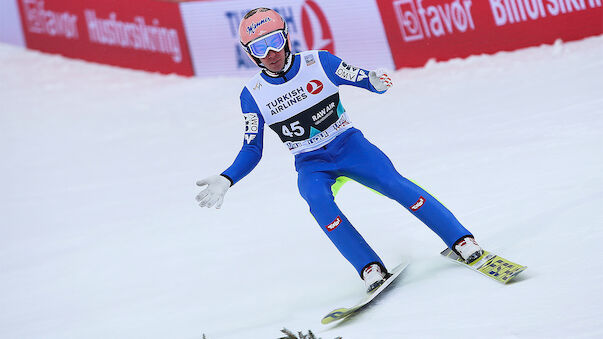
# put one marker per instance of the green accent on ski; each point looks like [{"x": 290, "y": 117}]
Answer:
[{"x": 336, "y": 315}]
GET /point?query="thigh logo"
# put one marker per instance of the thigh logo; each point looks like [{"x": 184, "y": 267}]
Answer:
[
  {"x": 418, "y": 204},
  {"x": 334, "y": 224}
]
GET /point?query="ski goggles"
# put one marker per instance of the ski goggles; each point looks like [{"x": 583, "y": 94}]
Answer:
[{"x": 260, "y": 47}]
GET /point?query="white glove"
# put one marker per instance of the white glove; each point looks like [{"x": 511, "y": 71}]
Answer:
[
  {"x": 215, "y": 191},
  {"x": 380, "y": 80}
]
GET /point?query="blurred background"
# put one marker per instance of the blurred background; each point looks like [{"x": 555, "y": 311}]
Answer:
[{"x": 200, "y": 37}]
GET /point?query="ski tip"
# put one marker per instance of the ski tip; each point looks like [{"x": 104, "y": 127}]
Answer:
[
  {"x": 334, "y": 315},
  {"x": 515, "y": 274}
]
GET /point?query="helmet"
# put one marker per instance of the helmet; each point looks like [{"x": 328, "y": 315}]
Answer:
[{"x": 261, "y": 30}]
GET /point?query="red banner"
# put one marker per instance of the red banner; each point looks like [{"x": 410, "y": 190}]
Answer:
[
  {"x": 418, "y": 30},
  {"x": 139, "y": 34}
]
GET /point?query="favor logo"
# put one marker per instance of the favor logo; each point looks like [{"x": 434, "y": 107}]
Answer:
[{"x": 417, "y": 22}]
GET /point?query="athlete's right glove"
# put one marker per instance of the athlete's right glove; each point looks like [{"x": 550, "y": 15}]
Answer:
[
  {"x": 215, "y": 191},
  {"x": 380, "y": 80}
]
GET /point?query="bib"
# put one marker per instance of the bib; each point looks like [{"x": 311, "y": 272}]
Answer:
[{"x": 305, "y": 112}]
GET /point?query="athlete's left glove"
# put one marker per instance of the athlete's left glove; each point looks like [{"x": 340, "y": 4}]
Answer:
[
  {"x": 215, "y": 191},
  {"x": 380, "y": 80}
]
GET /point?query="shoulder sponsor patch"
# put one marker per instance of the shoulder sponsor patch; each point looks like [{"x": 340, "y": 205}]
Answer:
[
  {"x": 309, "y": 59},
  {"x": 347, "y": 72},
  {"x": 361, "y": 75},
  {"x": 252, "y": 123},
  {"x": 249, "y": 138}
]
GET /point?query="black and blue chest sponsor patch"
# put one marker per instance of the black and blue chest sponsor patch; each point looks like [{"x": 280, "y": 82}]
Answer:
[{"x": 309, "y": 122}]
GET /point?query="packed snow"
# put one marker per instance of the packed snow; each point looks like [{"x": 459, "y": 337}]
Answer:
[{"x": 101, "y": 237}]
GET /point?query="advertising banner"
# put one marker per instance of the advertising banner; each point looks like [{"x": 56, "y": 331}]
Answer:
[
  {"x": 351, "y": 30},
  {"x": 418, "y": 30},
  {"x": 138, "y": 34}
]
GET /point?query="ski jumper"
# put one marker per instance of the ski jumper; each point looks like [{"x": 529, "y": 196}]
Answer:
[{"x": 303, "y": 107}]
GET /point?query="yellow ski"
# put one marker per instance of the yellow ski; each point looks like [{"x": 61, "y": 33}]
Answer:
[
  {"x": 341, "y": 313},
  {"x": 489, "y": 264}
]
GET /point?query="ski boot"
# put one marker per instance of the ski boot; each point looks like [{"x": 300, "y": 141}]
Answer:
[
  {"x": 373, "y": 277},
  {"x": 468, "y": 249}
]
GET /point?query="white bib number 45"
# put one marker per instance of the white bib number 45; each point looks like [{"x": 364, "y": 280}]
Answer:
[{"x": 294, "y": 129}]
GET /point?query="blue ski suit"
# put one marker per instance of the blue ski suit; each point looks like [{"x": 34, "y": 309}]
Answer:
[{"x": 302, "y": 106}]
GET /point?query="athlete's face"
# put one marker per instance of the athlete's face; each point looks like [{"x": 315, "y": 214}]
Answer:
[{"x": 274, "y": 61}]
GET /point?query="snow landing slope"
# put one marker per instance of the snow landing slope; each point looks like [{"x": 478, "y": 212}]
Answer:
[{"x": 100, "y": 236}]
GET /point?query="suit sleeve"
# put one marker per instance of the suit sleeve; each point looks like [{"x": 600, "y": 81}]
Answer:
[
  {"x": 253, "y": 140},
  {"x": 341, "y": 73}
]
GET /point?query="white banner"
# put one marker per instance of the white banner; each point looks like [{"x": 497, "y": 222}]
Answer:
[
  {"x": 11, "y": 31},
  {"x": 351, "y": 30}
]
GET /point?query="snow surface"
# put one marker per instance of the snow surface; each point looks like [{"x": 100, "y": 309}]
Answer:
[{"x": 100, "y": 235}]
